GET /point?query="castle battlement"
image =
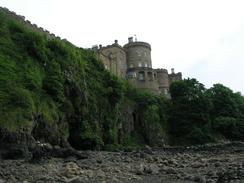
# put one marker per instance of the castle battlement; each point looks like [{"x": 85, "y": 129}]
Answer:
[
  {"x": 28, "y": 23},
  {"x": 161, "y": 70},
  {"x": 115, "y": 44},
  {"x": 137, "y": 43}
]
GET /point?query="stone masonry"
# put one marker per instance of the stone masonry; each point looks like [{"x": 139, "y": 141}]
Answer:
[{"x": 133, "y": 62}]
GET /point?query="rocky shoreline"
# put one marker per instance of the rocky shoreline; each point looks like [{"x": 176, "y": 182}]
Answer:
[{"x": 217, "y": 163}]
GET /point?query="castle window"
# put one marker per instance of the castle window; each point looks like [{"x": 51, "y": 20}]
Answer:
[
  {"x": 145, "y": 64},
  {"x": 166, "y": 92},
  {"x": 141, "y": 76},
  {"x": 155, "y": 76},
  {"x": 131, "y": 65},
  {"x": 131, "y": 75},
  {"x": 106, "y": 67},
  {"x": 110, "y": 56},
  {"x": 150, "y": 76},
  {"x": 138, "y": 53},
  {"x": 139, "y": 64}
]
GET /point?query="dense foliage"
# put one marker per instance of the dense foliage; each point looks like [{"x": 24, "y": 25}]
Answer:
[
  {"x": 58, "y": 92},
  {"x": 200, "y": 115}
]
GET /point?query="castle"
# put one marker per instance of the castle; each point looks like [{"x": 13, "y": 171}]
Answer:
[{"x": 133, "y": 62}]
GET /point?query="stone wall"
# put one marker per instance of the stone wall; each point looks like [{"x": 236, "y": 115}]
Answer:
[
  {"x": 163, "y": 81},
  {"x": 138, "y": 54},
  {"x": 143, "y": 78},
  {"x": 114, "y": 59}
]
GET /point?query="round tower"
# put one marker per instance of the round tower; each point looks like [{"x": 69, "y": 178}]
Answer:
[
  {"x": 138, "y": 54},
  {"x": 139, "y": 66}
]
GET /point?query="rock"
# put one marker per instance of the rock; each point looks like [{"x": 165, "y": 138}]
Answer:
[
  {"x": 75, "y": 180},
  {"x": 169, "y": 170},
  {"x": 148, "y": 150},
  {"x": 99, "y": 161},
  {"x": 139, "y": 170},
  {"x": 197, "y": 165},
  {"x": 217, "y": 164},
  {"x": 151, "y": 169},
  {"x": 100, "y": 174},
  {"x": 71, "y": 169},
  {"x": 2, "y": 181},
  {"x": 56, "y": 147},
  {"x": 48, "y": 146},
  {"x": 200, "y": 179}
]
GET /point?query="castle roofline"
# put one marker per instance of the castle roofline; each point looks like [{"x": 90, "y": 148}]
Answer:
[
  {"x": 111, "y": 46},
  {"x": 137, "y": 43},
  {"x": 175, "y": 74},
  {"x": 161, "y": 70}
]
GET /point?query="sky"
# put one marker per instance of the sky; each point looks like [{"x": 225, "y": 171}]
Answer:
[{"x": 203, "y": 39}]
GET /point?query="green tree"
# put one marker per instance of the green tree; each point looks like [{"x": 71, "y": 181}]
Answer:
[
  {"x": 223, "y": 100},
  {"x": 189, "y": 111}
]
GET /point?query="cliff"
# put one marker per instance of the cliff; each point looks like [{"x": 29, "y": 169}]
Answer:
[{"x": 55, "y": 93}]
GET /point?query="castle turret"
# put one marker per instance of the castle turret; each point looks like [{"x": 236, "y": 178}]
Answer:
[
  {"x": 140, "y": 72},
  {"x": 138, "y": 54}
]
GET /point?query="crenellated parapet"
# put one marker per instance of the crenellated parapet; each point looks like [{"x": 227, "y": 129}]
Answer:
[{"x": 28, "y": 23}]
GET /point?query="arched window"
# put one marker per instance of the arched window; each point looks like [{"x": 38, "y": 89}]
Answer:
[
  {"x": 145, "y": 64},
  {"x": 141, "y": 76},
  {"x": 139, "y": 64},
  {"x": 131, "y": 65}
]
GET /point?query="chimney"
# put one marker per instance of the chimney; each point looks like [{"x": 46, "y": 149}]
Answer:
[
  {"x": 172, "y": 71},
  {"x": 100, "y": 46},
  {"x": 115, "y": 41},
  {"x": 130, "y": 39}
]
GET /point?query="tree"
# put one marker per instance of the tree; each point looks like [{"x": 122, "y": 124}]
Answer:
[
  {"x": 227, "y": 113},
  {"x": 189, "y": 110},
  {"x": 224, "y": 101}
]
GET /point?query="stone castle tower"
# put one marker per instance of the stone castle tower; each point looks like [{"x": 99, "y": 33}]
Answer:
[{"x": 133, "y": 62}]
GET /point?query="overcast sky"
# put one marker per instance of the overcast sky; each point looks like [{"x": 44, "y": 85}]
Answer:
[{"x": 203, "y": 39}]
